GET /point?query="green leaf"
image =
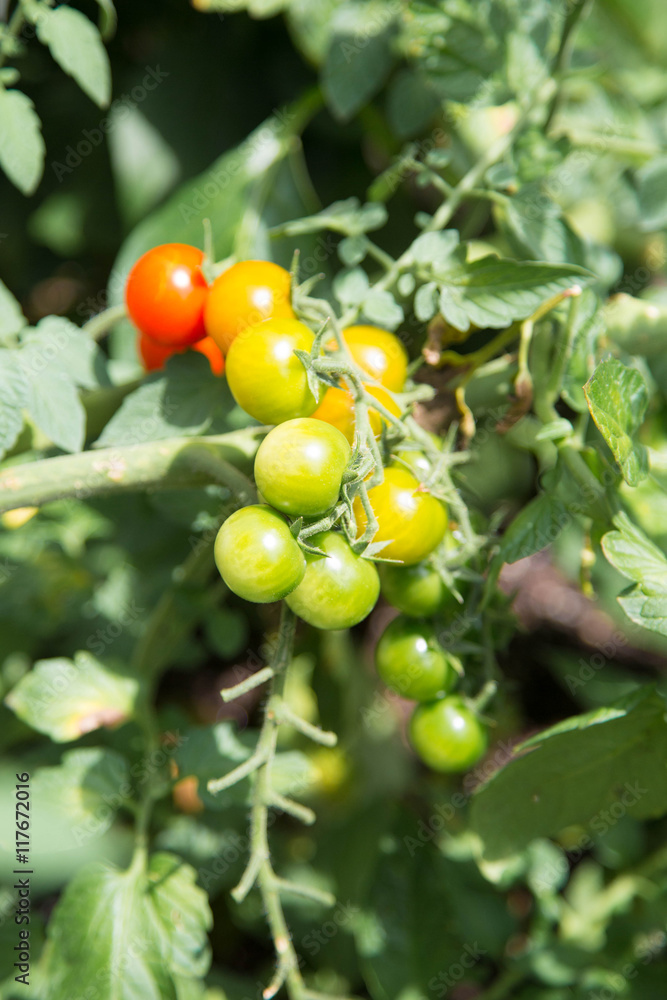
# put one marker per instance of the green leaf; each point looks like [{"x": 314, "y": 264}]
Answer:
[
  {"x": 134, "y": 934},
  {"x": 351, "y": 286},
  {"x": 12, "y": 319},
  {"x": 411, "y": 104},
  {"x": 536, "y": 526},
  {"x": 67, "y": 698},
  {"x": 145, "y": 167},
  {"x": 632, "y": 554},
  {"x": 311, "y": 26},
  {"x": 68, "y": 350},
  {"x": 381, "y": 308},
  {"x": 81, "y": 795},
  {"x": 617, "y": 397},
  {"x": 493, "y": 292},
  {"x": 359, "y": 57},
  {"x": 576, "y": 772},
  {"x": 535, "y": 228},
  {"x": 652, "y": 191},
  {"x": 185, "y": 399},
  {"x": 13, "y": 394},
  {"x": 76, "y": 45},
  {"x": 52, "y": 400},
  {"x": 21, "y": 145}
]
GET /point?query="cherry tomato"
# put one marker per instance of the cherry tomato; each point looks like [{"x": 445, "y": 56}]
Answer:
[
  {"x": 339, "y": 588},
  {"x": 411, "y": 521},
  {"x": 379, "y": 353},
  {"x": 153, "y": 355},
  {"x": 337, "y": 409},
  {"x": 210, "y": 350},
  {"x": 244, "y": 295},
  {"x": 165, "y": 294},
  {"x": 266, "y": 377},
  {"x": 410, "y": 660},
  {"x": 447, "y": 734},
  {"x": 257, "y": 555},
  {"x": 299, "y": 466},
  {"x": 417, "y": 460},
  {"x": 415, "y": 590}
]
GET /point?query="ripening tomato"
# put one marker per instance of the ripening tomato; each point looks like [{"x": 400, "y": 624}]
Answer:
[
  {"x": 244, "y": 295},
  {"x": 380, "y": 353},
  {"x": 410, "y": 520},
  {"x": 416, "y": 590},
  {"x": 153, "y": 355},
  {"x": 257, "y": 556},
  {"x": 299, "y": 466},
  {"x": 265, "y": 376},
  {"x": 165, "y": 294},
  {"x": 337, "y": 409},
  {"x": 339, "y": 588},
  {"x": 208, "y": 347},
  {"x": 410, "y": 660},
  {"x": 447, "y": 734}
]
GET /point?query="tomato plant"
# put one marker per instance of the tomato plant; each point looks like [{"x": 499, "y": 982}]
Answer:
[{"x": 333, "y": 667}]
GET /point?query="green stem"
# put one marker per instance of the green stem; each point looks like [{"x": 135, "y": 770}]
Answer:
[
  {"x": 175, "y": 463},
  {"x": 14, "y": 29},
  {"x": 99, "y": 325}
]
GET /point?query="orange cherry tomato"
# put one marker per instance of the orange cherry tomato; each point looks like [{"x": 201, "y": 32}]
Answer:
[
  {"x": 244, "y": 295},
  {"x": 380, "y": 353},
  {"x": 153, "y": 355},
  {"x": 337, "y": 408},
  {"x": 210, "y": 349},
  {"x": 410, "y": 520},
  {"x": 165, "y": 294}
]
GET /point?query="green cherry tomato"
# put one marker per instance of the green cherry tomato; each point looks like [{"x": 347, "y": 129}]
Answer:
[
  {"x": 257, "y": 555},
  {"x": 339, "y": 588},
  {"x": 299, "y": 466},
  {"x": 447, "y": 734},
  {"x": 410, "y": 660},
  {"x": 265, "y": 376},
  {"x": 415, "y": 590}
]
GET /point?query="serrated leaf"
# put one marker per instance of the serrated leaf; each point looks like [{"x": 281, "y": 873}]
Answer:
[
  {"x": 494, "y": 292},
  {"x": 132, "y": 933},
  {"x": 381, "y": 307},
  {"x": 535, "y": 228},
  {"x": 185, "y": 399},
  {"x": 359, "y": 57},
  {"x": 66, "y": 348},
  {"x": 67, "y": 698},
  {"x": 81, "y": 796},
  {"x": 52, "y": 400},
  {"x": 12, "y": 319},
  {"x": 426, "y": 301},
  {"x": 351, "y": 286},
  {"x": 536, "y": 526},
  {"x": 617, "y": 397},
  {"x": 434, "y": 249},
  {"x": 574, "y": 772},
  {"x": 652, "y": 191},
  {"x": 13, "y": 393},
  {"x": 22, "y": 147},
  {"x": 75, "y": 44},
  {"x": 635, "y": 556}
]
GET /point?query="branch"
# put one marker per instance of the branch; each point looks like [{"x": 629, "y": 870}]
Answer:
[{"x": 175, "y": 463}]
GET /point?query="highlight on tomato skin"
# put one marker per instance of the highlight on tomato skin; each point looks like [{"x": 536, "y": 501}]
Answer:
[
  {"x": 380, "y": 353},
  {"x": 242, "y": 296},
  {"x": 165, "y": 294}
]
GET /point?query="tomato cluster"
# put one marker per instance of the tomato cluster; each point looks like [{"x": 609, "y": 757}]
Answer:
[{"x": 244, "y": 323}]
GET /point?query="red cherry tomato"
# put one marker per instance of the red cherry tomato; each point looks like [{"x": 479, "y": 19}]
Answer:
[
  {"x": 210, "y": 349},
  {"x": 153, "y": 355},
  {"x": 165, "y": 294}
]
